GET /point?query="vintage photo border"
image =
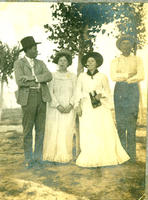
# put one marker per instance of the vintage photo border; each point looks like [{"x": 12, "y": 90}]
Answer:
[{"x": 101, "y": 1}]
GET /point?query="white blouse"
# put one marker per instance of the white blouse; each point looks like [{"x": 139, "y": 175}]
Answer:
[
  {"x": 124, "y": 68},
  {"x": 99, "y": 83}
]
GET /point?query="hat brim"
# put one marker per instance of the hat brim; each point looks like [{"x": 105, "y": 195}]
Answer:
[
  {"x": 97, "y": 56},
  {"x": 125, "y": 37},
  {"x": 60, "y": 54},
  {"x": 30, "y": 46}
]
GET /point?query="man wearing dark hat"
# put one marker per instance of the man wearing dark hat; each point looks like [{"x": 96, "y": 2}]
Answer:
[
  {"x": 127, "y": 71},
  {"x": 32, "y": 76}
]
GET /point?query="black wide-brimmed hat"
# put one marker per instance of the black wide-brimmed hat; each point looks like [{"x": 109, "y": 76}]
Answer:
[
  {"x": 125, "y": 37},
  {"x": 28, "y": 42},
  {"x": 63, "y": 52},
  {"x": 97, "y": 56}
]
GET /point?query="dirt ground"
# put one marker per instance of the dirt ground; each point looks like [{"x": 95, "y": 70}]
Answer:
[{"x": 65, "y": 182}]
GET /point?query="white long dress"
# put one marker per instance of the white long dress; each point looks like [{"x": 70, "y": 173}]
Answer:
[
  {"x": 99, "y": 141},
  {"x": 59, "y": 128}
]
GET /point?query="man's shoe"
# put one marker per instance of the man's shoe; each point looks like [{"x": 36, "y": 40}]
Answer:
[
  {"x": 38, "y": 164},
  {"x": 29, "y": 164}
]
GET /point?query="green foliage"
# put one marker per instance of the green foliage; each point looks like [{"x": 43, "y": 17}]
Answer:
[
  {"x": 7, "y": 58},
  {"x": 76, "y": 24},
  {"x": 129, "y": 18}
]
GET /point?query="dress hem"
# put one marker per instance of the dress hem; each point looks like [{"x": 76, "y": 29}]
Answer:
[{"x": 101, "y": 165}]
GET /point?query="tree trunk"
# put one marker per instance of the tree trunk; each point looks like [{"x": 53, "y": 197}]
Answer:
[
  {"x": 135, "y": 49},
  {"x": 84, "y": 37},
  {"x": 80, "y": 67},
  {"x": 1, "y": 99}
]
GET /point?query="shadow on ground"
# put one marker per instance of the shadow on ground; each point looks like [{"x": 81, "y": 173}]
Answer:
[{"x": 61, "y": 182}]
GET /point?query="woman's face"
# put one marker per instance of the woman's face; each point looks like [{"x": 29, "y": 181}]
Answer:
[
  {"x": 125, "y": 46},
  {"x": 63, "y": 63},
  {"x": 91, "y": 64}
]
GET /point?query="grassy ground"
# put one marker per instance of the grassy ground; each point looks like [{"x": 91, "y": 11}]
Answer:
[{"x": 61, "y": 182}]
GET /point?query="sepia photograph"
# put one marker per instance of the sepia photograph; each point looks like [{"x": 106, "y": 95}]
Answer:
[{"x": 73, "y": 101}]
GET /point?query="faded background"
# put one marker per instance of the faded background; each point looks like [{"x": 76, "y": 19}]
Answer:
[{"x": 18, "y": 20}]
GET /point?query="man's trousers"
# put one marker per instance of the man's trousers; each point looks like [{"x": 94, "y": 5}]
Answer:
[
  {"x": 126, "y": 100},
  {"x": 34, "y": 114}
]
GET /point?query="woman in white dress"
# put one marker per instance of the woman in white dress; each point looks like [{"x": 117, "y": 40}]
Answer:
[
  {"x": 60, "y": 118},
  {"x": 99, "y": 141}
]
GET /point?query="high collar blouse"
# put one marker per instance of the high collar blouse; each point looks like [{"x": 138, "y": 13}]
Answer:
[{"x": 62, "y": 88}]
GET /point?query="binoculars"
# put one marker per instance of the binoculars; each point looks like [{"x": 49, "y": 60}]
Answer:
[{"x": 95, "y": 103}]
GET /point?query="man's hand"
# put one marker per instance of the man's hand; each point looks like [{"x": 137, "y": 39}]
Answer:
[
  {"x": 68, "y": 108},
  {"x": 27, "y": 78},
  {"x": 130, "y": 80},
  {"x": 61, "y": 109}
]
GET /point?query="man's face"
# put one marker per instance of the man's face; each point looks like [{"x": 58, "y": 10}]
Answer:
[
  {"x": 125, "y": 46},
  {"x": 32, "y": 52}
]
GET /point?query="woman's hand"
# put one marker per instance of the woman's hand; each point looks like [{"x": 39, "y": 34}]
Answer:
[
  {"x": 68, "y": 108},
  {"x": 61, "y": 109},
  {"x": 98, "y": 96},
  {"x": 79, "y": 111}
]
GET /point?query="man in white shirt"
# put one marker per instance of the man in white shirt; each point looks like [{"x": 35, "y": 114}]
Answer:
[{"x": 127, "y": 71}]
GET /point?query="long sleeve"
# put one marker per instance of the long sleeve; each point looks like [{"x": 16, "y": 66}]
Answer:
[
  {"x": 54, "y": 102},
  {"x": 46, "y": 76},
  {"x": 106, "y": 88},
  {"x": 139, "y": 76},
  {"x": 129, "y": 69},
  {"x": 19, "y": 74},
  {"x": 74, "y": 90},
  {"x": 115, "y": 73},
  {"x": 106, "y": 93}
]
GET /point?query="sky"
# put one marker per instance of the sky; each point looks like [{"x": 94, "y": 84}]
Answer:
[{"x": 21, "y": 19}]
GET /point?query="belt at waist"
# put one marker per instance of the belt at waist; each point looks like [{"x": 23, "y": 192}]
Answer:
[{"x": 34, "y": 87}]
